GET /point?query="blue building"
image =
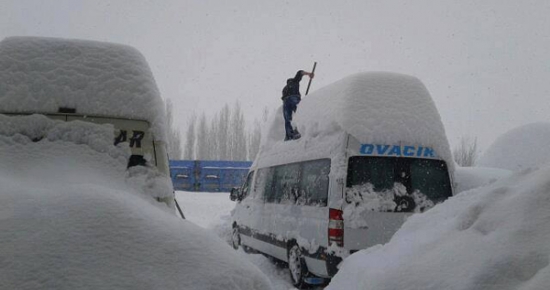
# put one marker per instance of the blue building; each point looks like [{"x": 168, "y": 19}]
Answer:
[{"x": 208, "y": 175}]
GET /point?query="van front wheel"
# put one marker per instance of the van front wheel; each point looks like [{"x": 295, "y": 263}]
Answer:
[{"x": 297, "y": 267}]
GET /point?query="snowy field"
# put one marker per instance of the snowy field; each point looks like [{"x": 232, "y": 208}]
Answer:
[
  {"x": 75, "y": 213},
  {"x": 212, "y": 211}
]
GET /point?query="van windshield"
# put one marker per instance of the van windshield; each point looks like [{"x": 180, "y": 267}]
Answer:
[
  {"x": 136, "y": 133},
  {"x": 428, "y": 177}
]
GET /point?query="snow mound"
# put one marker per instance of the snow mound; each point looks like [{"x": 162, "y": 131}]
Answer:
[
  {"x": 41, "y": 75},
  {"x": 72, "y": 217},
  {"x": 467, "y": 178},
  {"x": 519, "y": 148},
  {"x": 374, "y": 107},
  {"x": 493, "y": 237}
]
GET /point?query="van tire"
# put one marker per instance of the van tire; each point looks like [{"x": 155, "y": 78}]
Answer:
[
  {"x": 297, "y": 267},
  {"x": 235, "y": 237}
]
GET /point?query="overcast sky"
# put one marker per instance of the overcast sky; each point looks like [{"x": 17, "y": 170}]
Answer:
[{"x": 485, "y": 63}]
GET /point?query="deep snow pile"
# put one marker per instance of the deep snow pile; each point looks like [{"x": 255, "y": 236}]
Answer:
[
  {"x": 375, "y": 107},
  {"x": 494, "y": 237},
  {"x": 520, "y": 148},
  {"x": 71, "y": 217},
  {"x": 43, "y": 74},
  {"x": 212, "y": 210}
]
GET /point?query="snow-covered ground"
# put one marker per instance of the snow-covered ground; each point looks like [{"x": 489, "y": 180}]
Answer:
[{"x": 212, "y": 211}]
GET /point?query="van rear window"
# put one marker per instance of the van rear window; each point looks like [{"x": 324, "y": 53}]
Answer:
[{"x": 427, "y": 176}]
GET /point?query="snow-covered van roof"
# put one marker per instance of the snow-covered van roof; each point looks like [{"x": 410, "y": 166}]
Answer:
[
  {"x": 373, "y": 107},
  {"x": 42, "y": 75}
]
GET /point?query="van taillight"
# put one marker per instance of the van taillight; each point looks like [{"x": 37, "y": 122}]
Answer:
[{"x": 335, "y": 227}]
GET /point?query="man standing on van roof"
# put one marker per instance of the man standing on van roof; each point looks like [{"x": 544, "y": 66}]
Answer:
[{"x": 291, "y": 98}]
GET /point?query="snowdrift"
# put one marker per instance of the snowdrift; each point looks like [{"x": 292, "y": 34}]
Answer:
[
  {"x": 467, "y": 178},
  {"x": 95, "y": 78},
  {"x": 72, "y": 217},
  {"x": 374, "y": 107},
  {"x": 519, "y": 148},
  {"x": 495, "y": 237}
]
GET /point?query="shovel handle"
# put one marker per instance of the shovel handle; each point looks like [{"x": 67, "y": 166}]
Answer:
[{"x": 313, "y": 72}]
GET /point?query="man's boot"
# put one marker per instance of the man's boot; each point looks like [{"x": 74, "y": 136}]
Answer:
[{"x": 295, "y": 134}]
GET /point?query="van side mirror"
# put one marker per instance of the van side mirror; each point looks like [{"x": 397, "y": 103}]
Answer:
[{"x": 235, "y": 194}]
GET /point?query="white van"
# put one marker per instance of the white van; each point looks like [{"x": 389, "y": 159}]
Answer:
[
  {"x": 373, "y": 151},
  {"x": 88, "y": 81}
]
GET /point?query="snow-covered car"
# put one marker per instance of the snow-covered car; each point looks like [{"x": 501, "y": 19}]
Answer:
[
  {"x": 373, "y": 151},
  {"x": 82, "y": 171}
]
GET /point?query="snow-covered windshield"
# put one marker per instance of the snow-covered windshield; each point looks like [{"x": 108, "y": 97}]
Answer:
[
  {"x": 135, "y": 133},
  {"x": 126, "y": 142},
  {"x": 398, "y": 177}
]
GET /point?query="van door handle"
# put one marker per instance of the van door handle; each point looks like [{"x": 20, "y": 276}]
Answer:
[{"x": 247, "y": 206}]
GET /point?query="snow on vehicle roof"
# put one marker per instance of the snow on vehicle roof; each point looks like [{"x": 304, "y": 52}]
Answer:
[
  {"x": 41, "y": 75},
  {"x": 374, "y": 107},
  {"x": 493, "y": 237},
  {"x": 519, "y": 148}
]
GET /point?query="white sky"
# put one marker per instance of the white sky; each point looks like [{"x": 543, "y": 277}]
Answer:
[{"x": 484, "y": 62}]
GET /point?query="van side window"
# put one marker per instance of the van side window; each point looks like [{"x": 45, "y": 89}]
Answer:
[
  {"x": 287, "y": 183},
  {"x": 263, "y": 183},
  {"x": 246, "y": 186},
  {"x": 314, "y": 183}
]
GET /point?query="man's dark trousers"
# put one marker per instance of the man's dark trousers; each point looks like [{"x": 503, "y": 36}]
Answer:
[{"x": 289, "y": 107}]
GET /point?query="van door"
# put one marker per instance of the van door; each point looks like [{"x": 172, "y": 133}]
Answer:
[
  {"x": 248, "y": 212},
  {"x": 281, "y": 215},
  {"x": 314, "y": 223}
]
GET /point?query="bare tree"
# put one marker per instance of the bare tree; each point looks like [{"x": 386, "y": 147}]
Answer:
[
  {"x": 213, "y": 152},
  {"x": 254, "y": 138},
  {"x": 190, "y": 138},
  {"x": 202, "y": 140},
  {"x": 265, "y": 115},
  {"x": 226, "y": 138},
  {"x": 237, "y": 134},
  {"x": 174, "y": 136},
  {"x": 465, "y": 154},
  {"x": 255, "y": 135},
  {"x": 223, "y": 133}
]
